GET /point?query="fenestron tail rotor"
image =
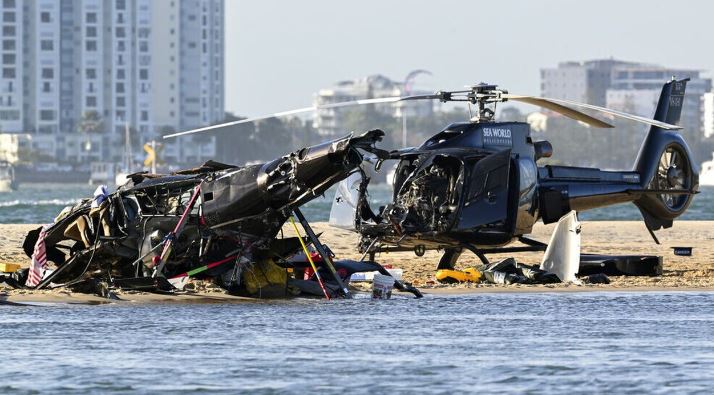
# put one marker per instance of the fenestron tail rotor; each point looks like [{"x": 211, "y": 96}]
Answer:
[
  {"x": 673, "y": 173},
  {"x": 480, "y": 95}
]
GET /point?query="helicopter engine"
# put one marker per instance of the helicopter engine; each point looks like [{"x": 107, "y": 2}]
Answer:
[{"x": 427, "y": 201}]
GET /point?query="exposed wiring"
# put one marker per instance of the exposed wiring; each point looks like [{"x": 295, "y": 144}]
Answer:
[{"x": 89, "y": 262}]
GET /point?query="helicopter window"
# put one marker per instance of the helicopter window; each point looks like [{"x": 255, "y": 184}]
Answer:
[
  {"x": 443, "y": 136},
  {"x": 489, "y": 174},
  {"x": 528, "y": 173},
  {"x": 484, "y": 182},
  {"x": 497, "y": 178},
  {"x": 478, "y": 181},
  {"x": 302, "y": 153},
  {"x": 131, "y": 207}
]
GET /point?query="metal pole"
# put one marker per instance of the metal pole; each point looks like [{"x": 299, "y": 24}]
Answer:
[
  {"x": 309, "y": 259},
  {"x": 127, "y": 148},
  {"x": 404, "y": 126},
  {"x": 153, "y": 163},
  {"x": 321, "y": 250},
  {"x": 172, "y": 236}
]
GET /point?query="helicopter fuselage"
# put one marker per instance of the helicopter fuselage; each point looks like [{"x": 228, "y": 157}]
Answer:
[{"x": 479, "y": 185}]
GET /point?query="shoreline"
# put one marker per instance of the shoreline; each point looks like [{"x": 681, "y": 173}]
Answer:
[
  {"x": 680, "y": 274},
  {"x": 31, "y": 298}
]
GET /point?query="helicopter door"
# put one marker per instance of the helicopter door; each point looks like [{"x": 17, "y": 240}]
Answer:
[
  {"x": 344, "y": 206},
  {"x": 486, "y": 200}
]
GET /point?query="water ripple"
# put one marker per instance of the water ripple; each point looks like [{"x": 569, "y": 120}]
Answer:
[{"x": 493, "y": 343}]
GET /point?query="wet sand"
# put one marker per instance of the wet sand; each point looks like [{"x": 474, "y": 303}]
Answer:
[{"x": 695, "y": 273}]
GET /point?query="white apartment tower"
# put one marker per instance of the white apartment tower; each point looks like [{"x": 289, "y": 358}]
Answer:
[
  {"x": 112, "y": 68},
  {"x": 64, "y": 60},
  {"x": 42, "y": 46},
  {"x": 11, "y": 89},
  {"x": 188, "y": 35},
  {"x": 148, "y": 64},
  {"x": 189, "y": 73}
]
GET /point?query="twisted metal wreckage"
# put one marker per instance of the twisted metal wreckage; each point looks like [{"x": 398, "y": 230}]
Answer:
[{"x": 217, "y": 221}]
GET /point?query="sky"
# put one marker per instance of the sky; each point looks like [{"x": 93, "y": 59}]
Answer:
[{"x": 278, "y": 53}]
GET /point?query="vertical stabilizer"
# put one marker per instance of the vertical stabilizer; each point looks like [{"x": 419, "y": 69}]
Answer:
[
  {"x": 664, "y": 164},
  {"x": 669, "y": 106}
]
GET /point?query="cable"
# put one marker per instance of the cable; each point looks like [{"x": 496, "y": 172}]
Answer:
[{"x": 91, "y": 258}]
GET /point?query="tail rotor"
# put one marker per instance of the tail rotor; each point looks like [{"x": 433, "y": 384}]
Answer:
[{"x": 674, "y": 172}]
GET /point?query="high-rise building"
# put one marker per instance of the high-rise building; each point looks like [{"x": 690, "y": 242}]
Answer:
[
  {"x": 76, "y": 73},
  {"x": 11, "y": 89},
  {"x": 67, "y": 61},
  {"x": 42, "y": 51},
  {"x": 189, "y": 35}
]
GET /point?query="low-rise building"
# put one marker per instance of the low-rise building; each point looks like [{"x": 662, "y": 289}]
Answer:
[
  {"x": 708, "y": 114},
  {"x": 328, "y": 122},
  {"x": 626, "y": 86},
  {"x": 585, "y": 82},
  {"x": 636, "y": 89}
]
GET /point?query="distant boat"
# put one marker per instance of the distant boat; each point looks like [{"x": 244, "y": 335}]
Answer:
[
  {"x": 7, "y": 177},
  {"x": 121, "y": 179},
  {"x": 102, "y": 173},
  {"x": 706, "y": 175}
]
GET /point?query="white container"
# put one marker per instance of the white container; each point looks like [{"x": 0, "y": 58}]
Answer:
[
  {"x": 382, "y": 286},
  {"x": 362, "y": 277},
  {"x": 369, "y": 276},
  {"x": 396, "y": 273}
]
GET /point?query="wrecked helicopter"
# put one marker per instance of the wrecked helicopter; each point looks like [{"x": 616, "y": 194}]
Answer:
[
  {"x": 218, "y": 221},
  {"x": 473, "y": 186}
]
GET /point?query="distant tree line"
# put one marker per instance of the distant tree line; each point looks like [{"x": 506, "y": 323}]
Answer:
[
  {"x": 573, "y": 143},
  {"x": 273, "y": 137},
  {"x": 260, "y": 141}
]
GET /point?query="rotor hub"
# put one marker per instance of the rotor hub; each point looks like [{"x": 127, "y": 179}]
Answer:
[{"x": 674, "y": 177}]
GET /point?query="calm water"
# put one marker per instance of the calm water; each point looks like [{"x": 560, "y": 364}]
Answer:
[
  {"x": 490, "y": 343},
  {"x": 40, "y": 203}
]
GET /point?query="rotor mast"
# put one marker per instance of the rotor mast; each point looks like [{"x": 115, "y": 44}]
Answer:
[{"x": 481, "y": 95}]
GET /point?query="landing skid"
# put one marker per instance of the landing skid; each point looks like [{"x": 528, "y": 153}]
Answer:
[
  {"x": 633, "y": 265},
  {"x": 451, "y": 254}
]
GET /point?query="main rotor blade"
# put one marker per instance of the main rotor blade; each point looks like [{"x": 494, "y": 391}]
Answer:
[
  {"x": 545, "y": 102},
  {"x": 435, "y": 96},
  {"x": 247, "y": 120},
  {"x": 391, "y": 99},
  {"x": 567, "y": 111}
]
